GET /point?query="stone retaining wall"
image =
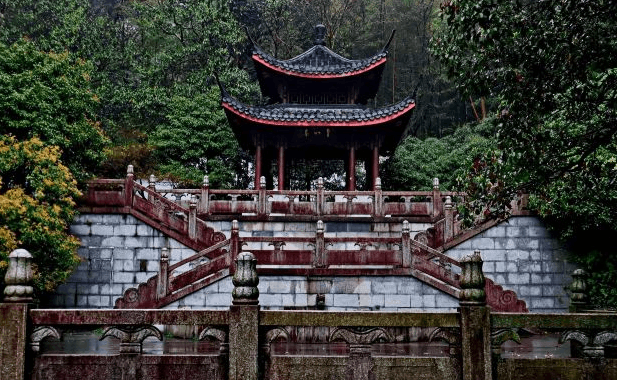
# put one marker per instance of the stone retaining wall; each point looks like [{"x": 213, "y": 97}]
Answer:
[
  {"x": 340, "y": 293},
  {"x": 521, "y": 255},
  {"x": 120, "y": 252}
]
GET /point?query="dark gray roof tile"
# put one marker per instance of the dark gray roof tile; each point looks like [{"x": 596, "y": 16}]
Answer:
[
  {"x": 317, "y": 113},
  {"x": 318, "y": 60}
]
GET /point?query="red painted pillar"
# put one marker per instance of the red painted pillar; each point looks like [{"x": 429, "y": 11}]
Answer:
[
  {"x": 281, "y": 167},
  {"x": 258, "y": 163},
  {"x": 374, "y": 167},
  {"x": 351, "y": 170}
]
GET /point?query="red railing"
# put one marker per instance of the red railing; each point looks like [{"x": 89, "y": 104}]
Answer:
[{"x": 424, "y": 206}]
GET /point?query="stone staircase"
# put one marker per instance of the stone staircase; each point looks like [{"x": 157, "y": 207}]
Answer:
[{"x": 421, "y": 257}]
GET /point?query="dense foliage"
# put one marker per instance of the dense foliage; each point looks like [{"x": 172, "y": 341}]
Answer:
[
  {"x": 165, "y": 107},
  {"x": 48, "y": 139},
  {"x": 48, "y": 95},
  {"x": 37, "y": 205},
  {"x": 447, "y": 158},
  {"x": 551, "y": 68}
]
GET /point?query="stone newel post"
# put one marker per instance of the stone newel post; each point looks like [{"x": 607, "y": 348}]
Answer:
[
  {"x": 449, "y": 220},
  {"x": 204, "y": 199},
  {"x": 578, "y": 300},
  {"x": 244, "y": 320},
  {"x": 262, "y": 198},
  {"x": 163, "y": 278},
  {"x": 18, "y": 293},
  {"x": 436, "y": 198},
  {"x": 475, "y": 321},
  {"x": 18, "y": 277},
  {"x": 406, "y": 245},
  {"x": 128, "y": 187},
  {"x": 320, "y": 259},
  {"x": 193, "y": 217},
  {"x": 320, "y": 198},
  {"x": 245, "y": 280},
  {"x": 378, "y": 201},
  {"x": 152, "y": 182}
]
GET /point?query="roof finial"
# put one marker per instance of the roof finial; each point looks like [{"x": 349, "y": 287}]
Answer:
[{"x": 320, "y": 34}]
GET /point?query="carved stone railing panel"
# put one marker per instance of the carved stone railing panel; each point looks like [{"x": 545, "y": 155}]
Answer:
[
  {"x": 213, "y": 334},
  {"x": 132, "y": 336},
  {"x": 589, "y": 343},
  {"x": 41, "y": 333},
  {"x": 361, "y": 335},
  {"x": 500, "y": 336}
]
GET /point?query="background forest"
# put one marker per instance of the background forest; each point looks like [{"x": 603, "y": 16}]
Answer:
[{"x": 512, "y": 97}]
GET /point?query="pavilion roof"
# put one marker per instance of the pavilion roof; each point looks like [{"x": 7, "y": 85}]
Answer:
[
  {"x": 319, "y": 62},
  {"x": 306, "y": 115}
]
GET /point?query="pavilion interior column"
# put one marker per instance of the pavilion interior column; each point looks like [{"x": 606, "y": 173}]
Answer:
[
  {"x": 266, "y": 168},
  {"x": 374, "y": 167},
  {"x": 281, "y": 167},
  {"x": 258, "y": 165},
  {"x": 351, "y": 170}
]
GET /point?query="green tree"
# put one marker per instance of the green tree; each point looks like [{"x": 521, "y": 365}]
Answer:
[
  {"x": 46, "y": 120},
  {"x": 551, "y": 68},
  {"x": 37, "y": 205},
  {"x": 447, "y": 158},
  {"x": 48, "y": 95},
  {"x": 190, "y": 43}
]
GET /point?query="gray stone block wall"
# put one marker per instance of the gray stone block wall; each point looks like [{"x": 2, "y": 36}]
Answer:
[
  {"x": 120, "y": 252},
  {"x": 521, "y": 255},
  {"x": 341, "y": 293}
]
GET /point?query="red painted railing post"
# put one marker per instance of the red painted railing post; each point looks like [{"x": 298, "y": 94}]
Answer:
[
  {"x": 378, "y": 198},
  {"x": 263, "y": 199},
  {"x": 234, "y": 245},
  {"x": 320, "y": 259},
  {"x": 436, "y": 198},
  {"x": 449, "y": 220},
  {"x": 193, "y": 218},
  {"x": 406, "y": 245},
  {"x": 204, "y": 199},
  {"x": 320, "y": 197},
  {"x": 128, "y": 187},
  {"x": 163, "y": 278}
]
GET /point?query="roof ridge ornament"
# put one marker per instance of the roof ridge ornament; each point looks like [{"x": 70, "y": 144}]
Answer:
[{"x": 320, "y": 35}]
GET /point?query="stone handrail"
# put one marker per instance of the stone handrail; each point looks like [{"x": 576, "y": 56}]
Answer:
[
  {"x": 245, "y": 334},
  {"x": 264, "y": 203}
]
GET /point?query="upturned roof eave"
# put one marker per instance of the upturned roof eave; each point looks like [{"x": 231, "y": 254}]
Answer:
[
  {"x": 261, "y": 63},
  {"x": 361, "y": 120}
]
